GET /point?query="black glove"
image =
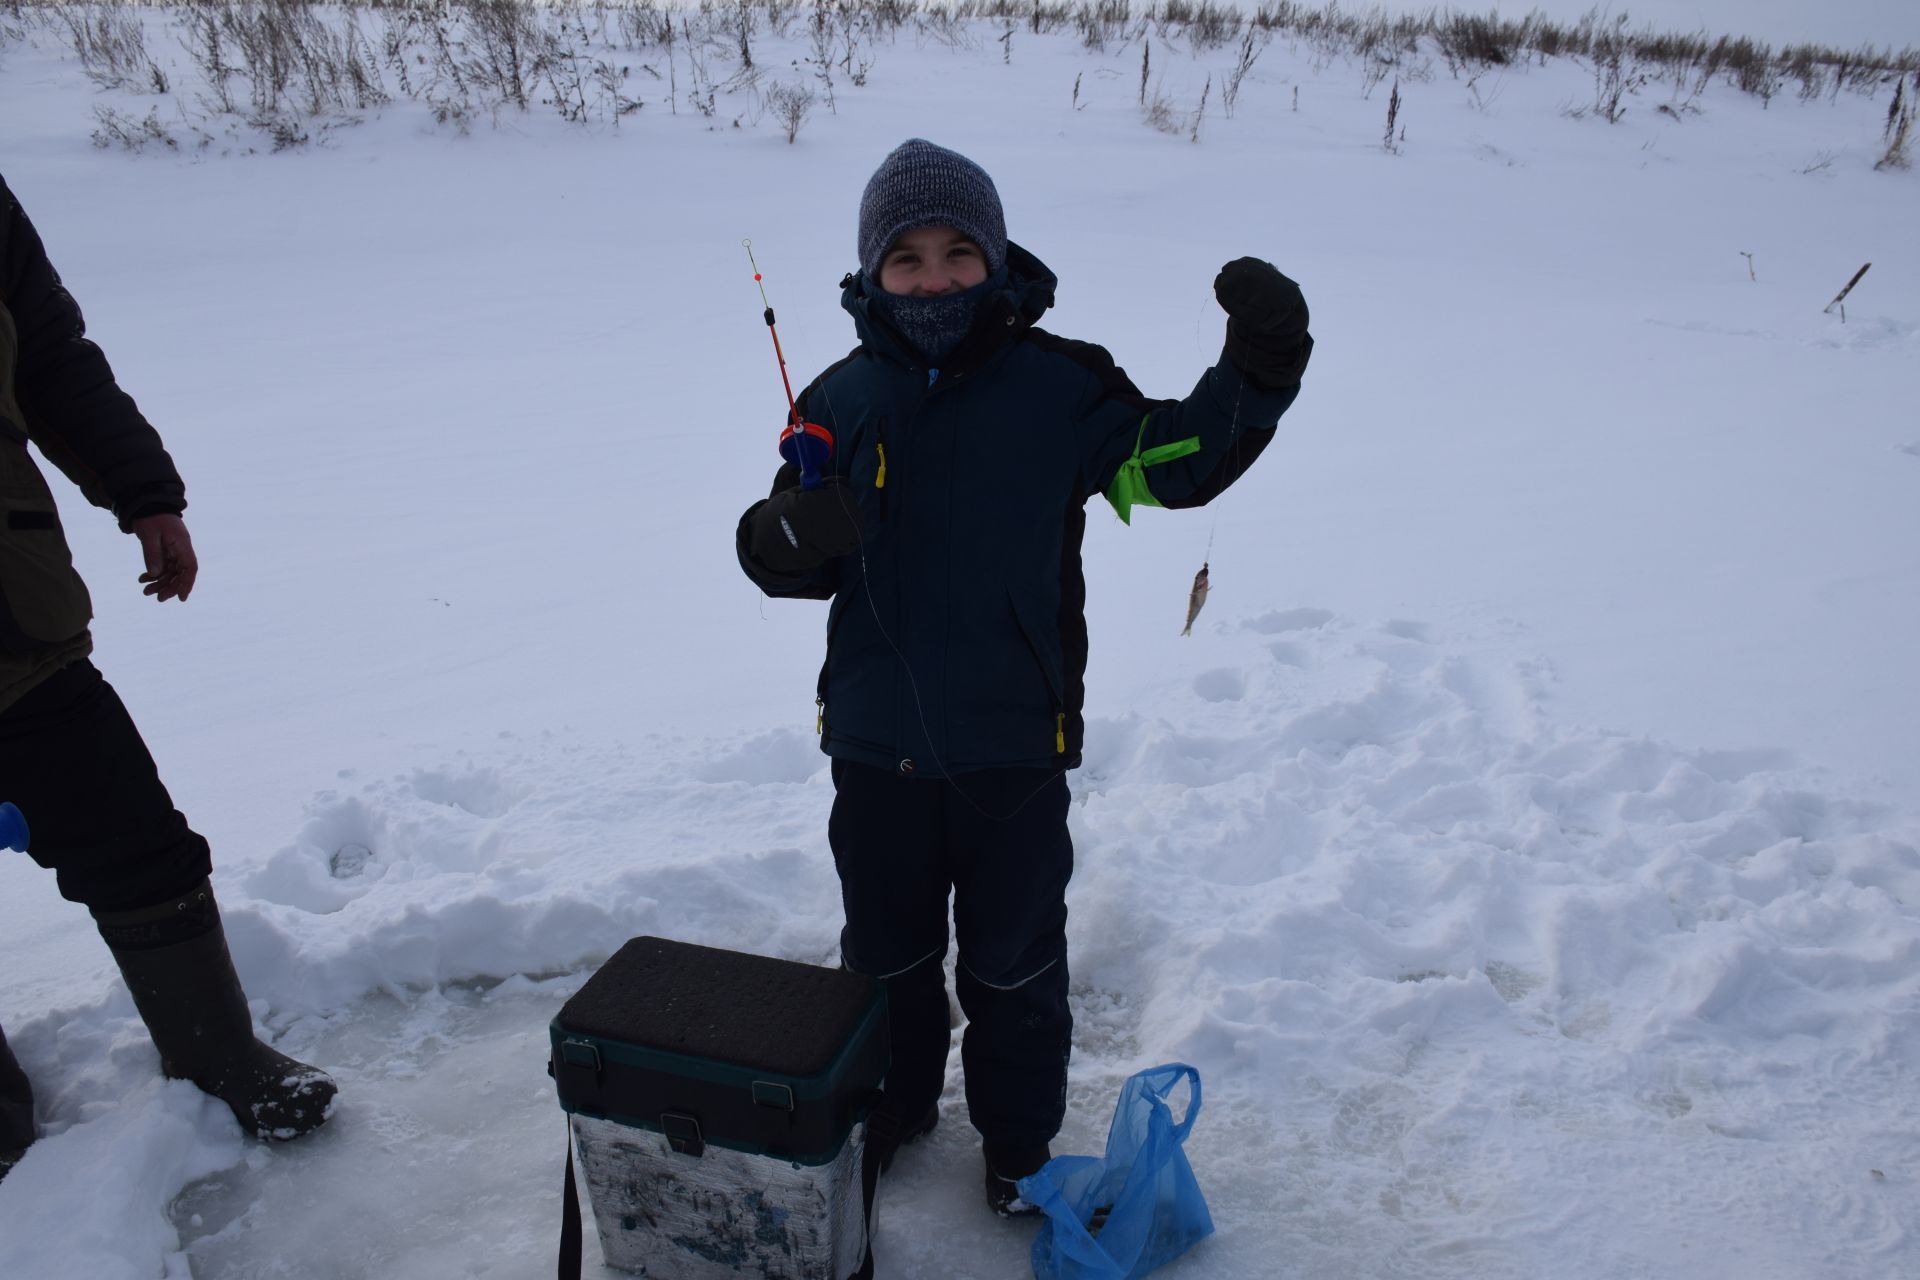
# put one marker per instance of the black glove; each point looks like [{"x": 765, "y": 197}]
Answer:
[
  {"x": 1266, "y": 322},
  {"x": 799, "y": 529}
]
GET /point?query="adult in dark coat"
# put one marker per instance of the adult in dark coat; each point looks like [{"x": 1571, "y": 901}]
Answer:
[
  {"x": 946, "y": 532},
  {"x": 70, "y": 756}
]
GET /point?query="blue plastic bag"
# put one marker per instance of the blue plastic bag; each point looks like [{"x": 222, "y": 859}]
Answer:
[{"x": 1154, "y": 1211}]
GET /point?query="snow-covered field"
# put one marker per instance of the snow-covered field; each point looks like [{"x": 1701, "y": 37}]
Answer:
[{"x": 1525, "y": 846}]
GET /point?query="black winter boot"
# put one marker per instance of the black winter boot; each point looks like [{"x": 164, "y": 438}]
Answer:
[
  {"x": 1007, "y": 1163},
  {"x": 16, "y": 1109},
  {"x": 174, "y": 957}
]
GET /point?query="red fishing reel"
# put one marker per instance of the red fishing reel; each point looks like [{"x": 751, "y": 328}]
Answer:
[{"x": 808, "y": 446}]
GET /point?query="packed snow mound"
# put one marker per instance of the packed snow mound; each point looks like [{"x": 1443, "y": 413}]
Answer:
[{"x": 1356, "y": 873}]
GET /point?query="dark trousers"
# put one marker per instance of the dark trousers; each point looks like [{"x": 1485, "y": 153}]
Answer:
[
  {"x": 97, "y": 813},
  {"x": 997, "y": 840}
]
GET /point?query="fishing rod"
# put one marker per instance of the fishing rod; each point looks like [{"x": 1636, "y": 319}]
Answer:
[{"x": 807, "y": 445}]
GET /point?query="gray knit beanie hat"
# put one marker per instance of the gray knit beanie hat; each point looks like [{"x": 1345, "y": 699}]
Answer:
[{"x": 924, "y": 185}]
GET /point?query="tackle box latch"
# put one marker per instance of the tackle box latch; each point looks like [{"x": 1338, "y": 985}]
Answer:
[
  {"x": 683, "y": 1133},
  {"x": 767, "y": 1093},
  {"x": 581, "y": 1053}
]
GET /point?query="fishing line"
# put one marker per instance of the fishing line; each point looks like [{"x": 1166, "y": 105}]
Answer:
[{"x": 1197, "y": 594}]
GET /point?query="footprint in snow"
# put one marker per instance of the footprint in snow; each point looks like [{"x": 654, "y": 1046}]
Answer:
[
  {"x": 1281, "y": 621},
  {"x": 1511, "y": 982},
  {"x": 1220, "y": 685},
  {"x": 336, "y": 858},
  {"x": 1288, "y": 654}
]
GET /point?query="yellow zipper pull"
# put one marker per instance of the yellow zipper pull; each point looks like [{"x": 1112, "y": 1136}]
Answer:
[
  {"x": 820, "y": 714},
  {"x": 1060, "y": 733},
  {"x": 880, "y": 480}
]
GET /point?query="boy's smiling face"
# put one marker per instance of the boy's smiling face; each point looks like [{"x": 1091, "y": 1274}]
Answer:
[{"x": 930, "y": 261}]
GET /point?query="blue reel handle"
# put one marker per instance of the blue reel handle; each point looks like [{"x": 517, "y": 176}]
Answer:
[
  {"x": 807, "y": 451},
  {"x": 13, "y": 826}
]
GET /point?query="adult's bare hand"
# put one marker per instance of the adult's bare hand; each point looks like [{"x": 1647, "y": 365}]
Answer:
[{"x": 171, "y": 564}]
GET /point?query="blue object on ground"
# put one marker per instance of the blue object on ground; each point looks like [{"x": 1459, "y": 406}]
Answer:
[
  {"x": 13, "y": 826},
  {"x": 1145, "y": 1189}
]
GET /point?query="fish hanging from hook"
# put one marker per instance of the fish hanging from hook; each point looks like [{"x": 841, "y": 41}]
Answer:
[{"x": 1196, "y": 599}]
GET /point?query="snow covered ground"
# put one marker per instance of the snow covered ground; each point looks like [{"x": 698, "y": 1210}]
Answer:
[{"x": 1525, "y": 846}]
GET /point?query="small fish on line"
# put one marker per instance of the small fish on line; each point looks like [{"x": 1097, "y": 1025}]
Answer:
[{"x": 1196, "y": 599}]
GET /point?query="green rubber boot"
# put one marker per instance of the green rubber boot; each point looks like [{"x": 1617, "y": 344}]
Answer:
[{"x": 175, "y": 960}]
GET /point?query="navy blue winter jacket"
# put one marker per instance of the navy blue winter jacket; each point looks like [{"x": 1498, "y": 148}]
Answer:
[{"x": 956, "y": 637}]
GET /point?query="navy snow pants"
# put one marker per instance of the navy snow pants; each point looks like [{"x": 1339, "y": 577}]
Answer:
[{"x": 997, "y": 840}]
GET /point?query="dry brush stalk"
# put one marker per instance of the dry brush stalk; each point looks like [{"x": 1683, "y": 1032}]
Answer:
[{"x": 1840, "y": 297}]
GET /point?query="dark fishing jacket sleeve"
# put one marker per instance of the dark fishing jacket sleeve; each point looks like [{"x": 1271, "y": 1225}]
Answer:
[
  {"x": 1170, "y": 453},
  {"x": 72, "y": 407}
]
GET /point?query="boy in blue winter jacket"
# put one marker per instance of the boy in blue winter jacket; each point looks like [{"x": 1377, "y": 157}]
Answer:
[{"x": 946, "y": 533}]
